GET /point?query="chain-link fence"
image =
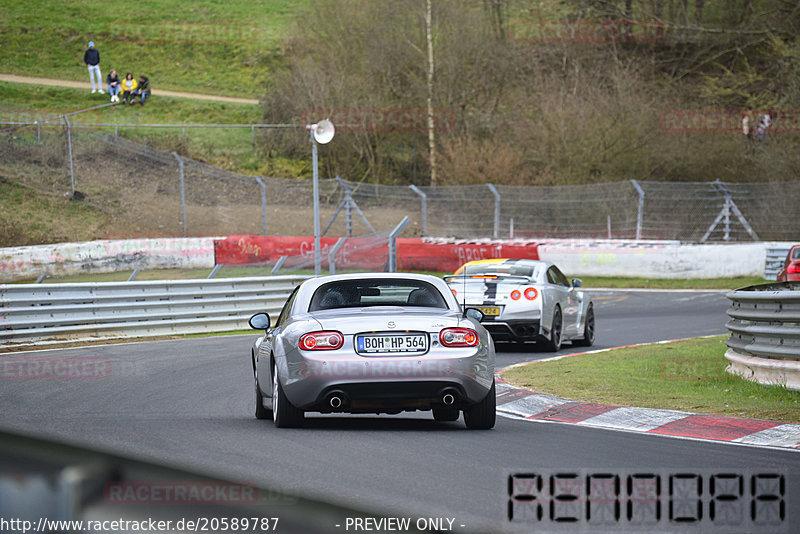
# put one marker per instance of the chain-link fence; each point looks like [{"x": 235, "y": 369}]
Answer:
[{"x": 165, "y": 194}]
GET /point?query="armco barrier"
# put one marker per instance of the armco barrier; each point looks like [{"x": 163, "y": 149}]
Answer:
[
  {"x": 764, "y": 345},
  {"x": 66, "y": 259},
  {"x": 412, "y": 254},
  {"x": 37, "y": 312}
]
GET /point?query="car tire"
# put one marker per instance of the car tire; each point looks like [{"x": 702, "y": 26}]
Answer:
[
  {"x": 444, "y": 413},
  {"x": 588, "y": 329},
  {"x": 481, "y": 416},
  {"x": 556, "y": 329},
  {"x": 284, "y": 414},
  {"x": 261, "y": 412}
]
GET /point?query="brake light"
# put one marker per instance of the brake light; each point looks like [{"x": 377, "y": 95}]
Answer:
[
  {"x": 793, "y": 268},
  {"x": 516, "y": 295},
  {"x": 486, "y": 276},
  {"x": 455, "y": 293},
  {"x": 322, "y": 340},
  {"x": 531, "y": 293},
  {"x": 458, "y": 337}
]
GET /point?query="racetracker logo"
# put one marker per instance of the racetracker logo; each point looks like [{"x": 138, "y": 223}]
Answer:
[
  {"x": 324, "y": 370},
  {"x": 179, "y": 493},
  {"x": 587, "y": 31},
  {"x": 55, "y": 368},
  {"x": 727, "y": 121},
  {"x": 382, "y": 119}
]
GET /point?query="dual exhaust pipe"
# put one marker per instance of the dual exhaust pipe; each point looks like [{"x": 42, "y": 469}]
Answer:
[{"x": 337, "y": 399}]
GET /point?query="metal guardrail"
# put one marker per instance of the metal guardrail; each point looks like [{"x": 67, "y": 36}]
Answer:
[
  {"x": 764, "y": 342},
  {"x": 775, "y": 258},
  {"x": 38, "y": 312}
]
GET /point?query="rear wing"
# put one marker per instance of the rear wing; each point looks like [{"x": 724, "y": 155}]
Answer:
[{"x": 499, "y": 276}]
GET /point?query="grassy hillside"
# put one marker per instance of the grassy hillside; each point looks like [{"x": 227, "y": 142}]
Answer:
[{"x": 226, "y": 47}]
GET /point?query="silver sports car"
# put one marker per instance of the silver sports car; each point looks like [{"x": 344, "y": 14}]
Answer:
[
  {"x": 374, "y": 343},
  {"x": 526, "y": 300}
]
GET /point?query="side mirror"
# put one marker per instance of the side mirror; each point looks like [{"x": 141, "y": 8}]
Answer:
[
  {"x": 474, "y": 313},
  {"x": 577, "y": 282},
  {"x": 259, "y": 321}
]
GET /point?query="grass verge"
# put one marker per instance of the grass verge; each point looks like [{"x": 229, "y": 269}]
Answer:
[
  {"x": 204, "y": 46},
  {"x": 684, "y": 375}
]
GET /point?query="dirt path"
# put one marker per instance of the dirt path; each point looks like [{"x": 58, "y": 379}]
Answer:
[{"x": 86, "y": 85}]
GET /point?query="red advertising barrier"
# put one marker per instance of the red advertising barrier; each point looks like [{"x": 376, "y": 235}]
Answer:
[{"x": 367, "y": 254}]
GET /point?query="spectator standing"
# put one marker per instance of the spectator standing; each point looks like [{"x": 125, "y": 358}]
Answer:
[
  {"x": 113, "y": 85},
  {"x": 746, "y": 129},
  {"x": 128, "y": 88},
  {"x": 764, "y": 122},
  {"x": 92, "y": 59},
  {"x": 143, "y": 91}
]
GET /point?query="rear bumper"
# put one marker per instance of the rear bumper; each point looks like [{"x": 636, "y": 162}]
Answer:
[
  {"x": 514, "y": 330},
  {"x": 380, "y": 384}
]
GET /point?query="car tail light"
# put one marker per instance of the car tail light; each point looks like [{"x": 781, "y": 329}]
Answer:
[
  {"x": 458, "y": 337},
  {"x": 793, "y": 268},
  {"x": 455, "y": 293},
  {"x": 531, "y": 293},
  {"x": 323, "y": 340},
  {"x": 515, "y": 295}
]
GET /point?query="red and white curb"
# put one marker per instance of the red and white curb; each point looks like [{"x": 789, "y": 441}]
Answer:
[{"x": 516, "y": 403}]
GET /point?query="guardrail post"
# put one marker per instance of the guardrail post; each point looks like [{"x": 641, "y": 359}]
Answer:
[
  {"x": 183, "y": 194},
  {"x": 424, "y": 199},
  {"x": 332, "y": 254},
  {"x": 133, "y": 275},
  {"x": 263, "y": 202},
  {"x": 640, "y": 210},
  {"x": 496, "y": 230},
  {"x": 69, "y": 151},
  {"x": 393, "y": 243},
  {"x": 278, "y": 265},
  {"x": 215, "y": 271}
]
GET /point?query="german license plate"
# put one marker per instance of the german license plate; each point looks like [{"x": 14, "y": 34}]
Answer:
[
  {"x": 489, "y": 311},
  {"x": 391, "y": 343}
]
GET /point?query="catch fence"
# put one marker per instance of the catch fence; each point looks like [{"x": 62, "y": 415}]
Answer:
[{"x": 167, "y": 194}]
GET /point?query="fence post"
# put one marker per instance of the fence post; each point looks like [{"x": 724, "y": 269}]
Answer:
[
  {"x": 393, "y": 243},
  {"x": 263, "y": 202},
  {"x": 496, "y": 231},
  {"x": 183, "y": 195},
  {"x": 332, "y": 254},
  {"x": 424, "y": 199},
  {"x": 69, "y": 152},
  {"x": 640, "y": 212}
]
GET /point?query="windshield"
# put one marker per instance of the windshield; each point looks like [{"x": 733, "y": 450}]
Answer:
[{"x": 376, "y": 292}]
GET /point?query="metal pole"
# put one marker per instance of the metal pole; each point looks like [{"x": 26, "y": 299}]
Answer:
[
  {"x": 393, "y": 243},
  {"x": 38, "y": 133},
  {"x": 332, "y": 254},
  {"x": 496, "y": 231},
  {"x": 317, "y": 251},
  {"x": 263, "y": 202},
  {"x": 424, "y": 198},
  {"x": 253, "y": 138},
  {"x": 69, "y": 151},
  {"x": 183, "y": 195},
  {"x": 640, "y": 214}
]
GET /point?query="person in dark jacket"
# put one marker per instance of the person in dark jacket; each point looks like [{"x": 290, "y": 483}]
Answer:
[
  {"x": 142, "y": 91},
  {"x": 92, "y": 59},
  {"x": 113, "y": 85}
]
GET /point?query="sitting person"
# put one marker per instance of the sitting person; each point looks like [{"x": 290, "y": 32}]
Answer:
[
  {"x": 143, "y": 91},
  {"x": 113, "y": 85},
  {"x": 128, "y": 87}
]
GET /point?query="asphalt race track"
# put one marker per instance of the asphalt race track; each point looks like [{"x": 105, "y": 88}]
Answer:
[{"x": 188, "y": 404}]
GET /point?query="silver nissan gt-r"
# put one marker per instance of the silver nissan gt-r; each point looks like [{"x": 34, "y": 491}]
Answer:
[
  {"x": 374, "y": 343},
  {"x": 526, "y": 300}
]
